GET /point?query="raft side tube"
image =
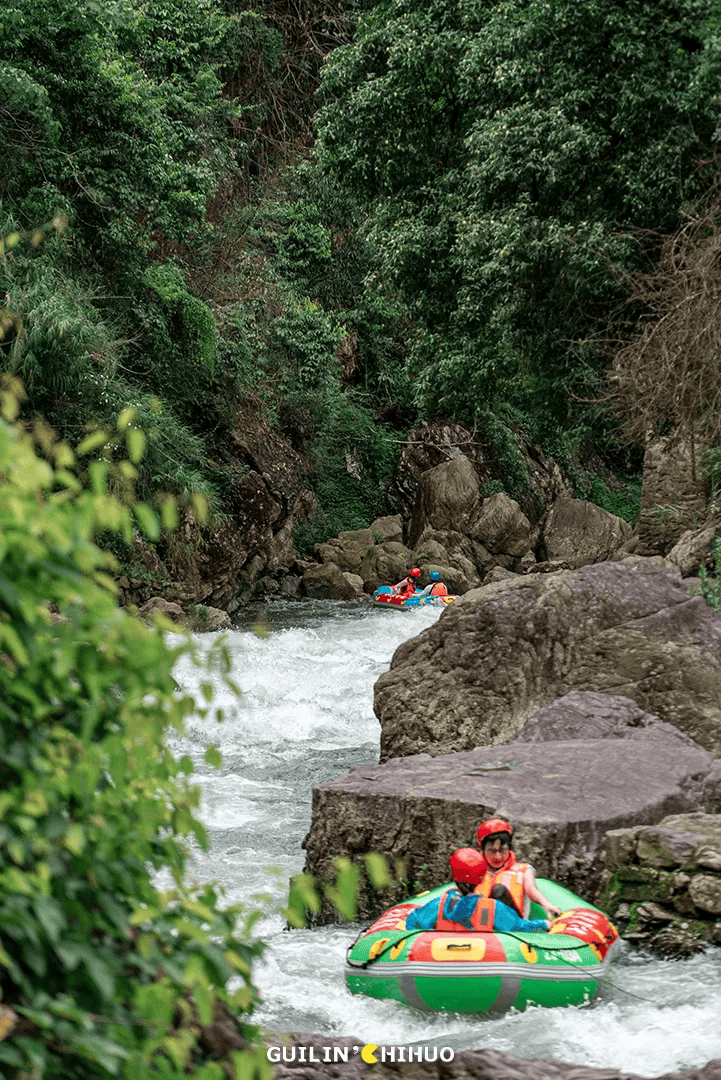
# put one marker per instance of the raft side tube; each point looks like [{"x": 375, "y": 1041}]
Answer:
[{"x": 484, "y": 972}]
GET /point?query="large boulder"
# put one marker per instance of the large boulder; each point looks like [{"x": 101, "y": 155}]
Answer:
[
  {"x": 387, "y": 528},
  {"x": 347, "y": 550},
  {"x": 502, "y": 527},
  {"x": 385, "y": 564},
  {"x": 694, "y": 549},
  {"x": 500, "y": 652},
  {"x": 160, "y": 606},
  {"x": 448, "y": 497},
  {"x": 437, "y": 442},
  {"x": 580, "y": 532},
  {"x": 326, "y": 581},
  {"x": 455, "y": 580},
  {"x": 673, "y": 496},
  {"x": 452, "y": 548},
  {"x": 560, "y": 796},
  {"x": 432, "y": 445},
  {"x": 667, "y": 878}
]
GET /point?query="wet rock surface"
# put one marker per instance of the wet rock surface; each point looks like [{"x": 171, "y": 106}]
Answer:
[
  {"x": 198, "y": 618},
  {"x": 663, "y": 882},
  {"x": 482, "y": 1064},
  {"x": 500, "y": 652},
  {"x": 562, "y": 797}
]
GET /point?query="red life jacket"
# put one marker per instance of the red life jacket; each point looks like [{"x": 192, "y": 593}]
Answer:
[
  {"x": 438, "y": 589},
  {"x": 511, "y": 875},
  {"x": 481, "y": 919},
  {"x": 406, "y": 587}
]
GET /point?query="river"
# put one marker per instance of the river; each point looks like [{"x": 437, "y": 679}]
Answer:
[{"x": 307, "y": 716}]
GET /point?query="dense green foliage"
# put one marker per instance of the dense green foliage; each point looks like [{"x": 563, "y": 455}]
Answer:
[
  {"x": 134, "y": 128},
  {"x": 710, "y": 587},
  {"x": 486, "y": 177},
  {"x": 118, "y": 130},
  {"x": 514, "y": 158},
  {"x": 103, "y": 974}
]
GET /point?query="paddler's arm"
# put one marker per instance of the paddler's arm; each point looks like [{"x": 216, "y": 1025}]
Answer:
[{"x": 533, "y": 893}]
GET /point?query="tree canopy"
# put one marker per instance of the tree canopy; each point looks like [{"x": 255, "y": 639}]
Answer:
[{"x": 514, "y": 157}]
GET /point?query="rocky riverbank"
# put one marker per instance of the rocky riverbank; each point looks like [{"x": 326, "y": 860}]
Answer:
[
  {"x": 502, "y": 651},
  {"x": 663, "y": 882},
  {"x": 582, "y": 705},
  {"x": 305, "y": 1059},
  {"x": 449, "y": 516}
]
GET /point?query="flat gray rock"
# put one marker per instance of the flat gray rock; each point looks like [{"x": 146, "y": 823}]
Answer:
[
  {"x": 583, "y": 714},
  {"x": 561, "y": 797}
]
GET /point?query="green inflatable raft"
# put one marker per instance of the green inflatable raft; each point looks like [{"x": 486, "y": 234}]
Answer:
[{"x": 467, "y": 971}]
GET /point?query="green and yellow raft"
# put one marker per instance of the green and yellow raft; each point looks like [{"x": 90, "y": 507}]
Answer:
[{"x": 484, "y": 972}]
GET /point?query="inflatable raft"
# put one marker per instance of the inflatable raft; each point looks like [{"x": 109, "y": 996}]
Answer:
[
  {"x": 385, "y": 596},
  {"x": 484, "y": 972}
]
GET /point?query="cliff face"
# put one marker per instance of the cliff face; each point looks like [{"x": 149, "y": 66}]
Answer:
[{"x": 264, "y": 500}]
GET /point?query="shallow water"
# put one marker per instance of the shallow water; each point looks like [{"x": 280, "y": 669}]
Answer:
[{"x": 306, "y": 717}]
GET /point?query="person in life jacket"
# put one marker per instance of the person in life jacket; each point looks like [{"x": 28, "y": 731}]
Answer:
[
  {"x": 459, "y": 910},
  {"x": 505, "y": 878},
  {"x": 436, "y": 587},
  {"x": 407, "y": 587}
]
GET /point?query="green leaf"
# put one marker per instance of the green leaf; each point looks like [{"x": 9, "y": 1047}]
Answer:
[
  {"x": 156, "y": 1002},
  {"x": 211, "y": 1071},
  {"x": 204, "y": 1002},
  {"x": 126, "y": 417},
  {"x": 302, "y": 897},
  {"x": 91, "y": 442},
  {"x": 148, "y": 521},
  {"x": 251, "y": 1065},
  {"x": 344, "y": 894},
  {"x": 200, "y": 506},
  {"x": 50, "y": 916},
  {"x": 135, "y": 440},
  {"x": 75, "y": 839},
  {"x": 213, "y": 756},
  {"x": 378, "y": 872}
]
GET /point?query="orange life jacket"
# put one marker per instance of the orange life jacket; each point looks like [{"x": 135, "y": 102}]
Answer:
[
  {"x": 406, "y": 587},
  {"x": 510, "y": 875},
  {"x": 438, "y": 589},
  {"x": 481, "y": 919}
]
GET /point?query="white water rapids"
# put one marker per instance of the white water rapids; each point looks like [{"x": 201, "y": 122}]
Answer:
[{"x": 306, "y": 717}]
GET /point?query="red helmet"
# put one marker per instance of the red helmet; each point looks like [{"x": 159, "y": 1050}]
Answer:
[
  {"x": 415, "y": 572},
  {"x": 492, "y": 827},
  {"x": 467, "y": 865}
]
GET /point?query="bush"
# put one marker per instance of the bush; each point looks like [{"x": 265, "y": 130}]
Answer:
[
  {"x": 181, "y": 340},
  {"x": 710, "y": 587},
  {"x": 623, "y": 500},
  {"x": 100, "y": 973}
]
